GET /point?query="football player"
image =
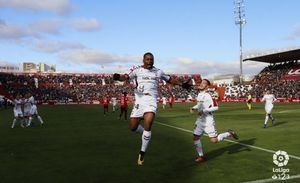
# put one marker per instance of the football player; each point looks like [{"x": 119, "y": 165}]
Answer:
[
  {"x": 269, "y": 99},
  {"x": 33, "y": 110},
  {"x": 146, "y": 78},
  {"x": 18, "y": 114},
  {"x": 123, "y": 105},
  {"x": 205, "y": 122}
]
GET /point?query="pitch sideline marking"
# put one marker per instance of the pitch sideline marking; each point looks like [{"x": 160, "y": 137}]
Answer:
[
  {"x": 247, "y": 145},
  {"x": 273, "y": 180},
  {"x": 288, "y": 111}
]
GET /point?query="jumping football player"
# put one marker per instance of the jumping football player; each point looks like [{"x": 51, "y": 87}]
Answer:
[{"x": 146, "y": 79}]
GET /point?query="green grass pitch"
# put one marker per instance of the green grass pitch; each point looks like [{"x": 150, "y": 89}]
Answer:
[{"x": 78, "y": 144}]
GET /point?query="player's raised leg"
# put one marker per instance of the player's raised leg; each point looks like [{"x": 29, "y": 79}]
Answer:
[{"x": 222, "y": 136}]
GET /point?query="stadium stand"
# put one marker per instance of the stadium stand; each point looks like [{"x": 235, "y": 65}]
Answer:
[
  {"x": 282, "y": 76},
  {"x": 276, "y": 77},
  {"x": 237, "y": 91},
  {"x": 64, "y": 88}
]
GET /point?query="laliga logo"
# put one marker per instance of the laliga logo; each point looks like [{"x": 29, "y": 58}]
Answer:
[{"x": 280, "y": 158}]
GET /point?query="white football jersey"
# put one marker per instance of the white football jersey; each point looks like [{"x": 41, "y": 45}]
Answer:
[
  {"x": 32, "y": 101},
  {"x": 18, "y": 104},
  {"x": 28, "y": 103},
  {"x": 146, "y": 80},
  {"x": 269, "y": 98},
  {"x": 206, "y": 104}
]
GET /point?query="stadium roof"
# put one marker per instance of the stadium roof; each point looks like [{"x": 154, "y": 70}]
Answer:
[{"x": 276, "y": 57}]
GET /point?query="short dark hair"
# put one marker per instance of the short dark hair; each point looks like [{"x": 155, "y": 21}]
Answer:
[
  {"x": 208, "y": 82},
  {"x": 148, "y": 53}
]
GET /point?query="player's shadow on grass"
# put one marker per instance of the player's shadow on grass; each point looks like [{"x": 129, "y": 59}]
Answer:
[
  {"x": 231, "y": 148},
  {"x": 278, "y": 123}
]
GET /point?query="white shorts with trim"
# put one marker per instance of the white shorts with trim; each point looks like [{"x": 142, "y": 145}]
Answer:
[
  {"x": 27, "y": 111},
  {"x": 33, "y": 110},
  {"x": 269, "y": 109},
  {"x": 18, "y": 113},
  {"x": 205, "y": 125},
  {"x": 142, "y": 105}
]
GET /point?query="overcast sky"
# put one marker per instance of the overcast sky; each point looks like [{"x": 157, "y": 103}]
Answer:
[{"x": 191, "y": 36}]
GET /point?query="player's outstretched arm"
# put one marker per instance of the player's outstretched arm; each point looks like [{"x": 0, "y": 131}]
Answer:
[
  {"x": 120, "y": 77},
  {"x": 186, "y": 84}
]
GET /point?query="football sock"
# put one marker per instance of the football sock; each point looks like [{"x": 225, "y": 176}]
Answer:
[
  {"x": 40, "y": 119},
  {"x": 29, "y": 121},
  {"x": 14, "y": 123},
  {"x": 198, "y": 147},
  {"x": 222, "y": 136},
  {"x": 145, "y": 140}
]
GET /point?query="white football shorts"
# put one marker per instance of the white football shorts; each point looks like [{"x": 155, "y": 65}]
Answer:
[
  {"x": 33, "y": 110},
  {"x": 269, "y": 109},
  {"x": 205, "y": 125},
  {"x": 143, "y": 105},
  {"x": 18, "y": 113}
]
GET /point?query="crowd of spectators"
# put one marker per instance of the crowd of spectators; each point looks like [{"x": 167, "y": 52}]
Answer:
[
  {"x": 88, "y": 87},
  {"x": 272, "y": 78},
  {"x": 79, "y": 87},
  {"x": 280, "y": 88},
  {"x": 237, "y": 91}
]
